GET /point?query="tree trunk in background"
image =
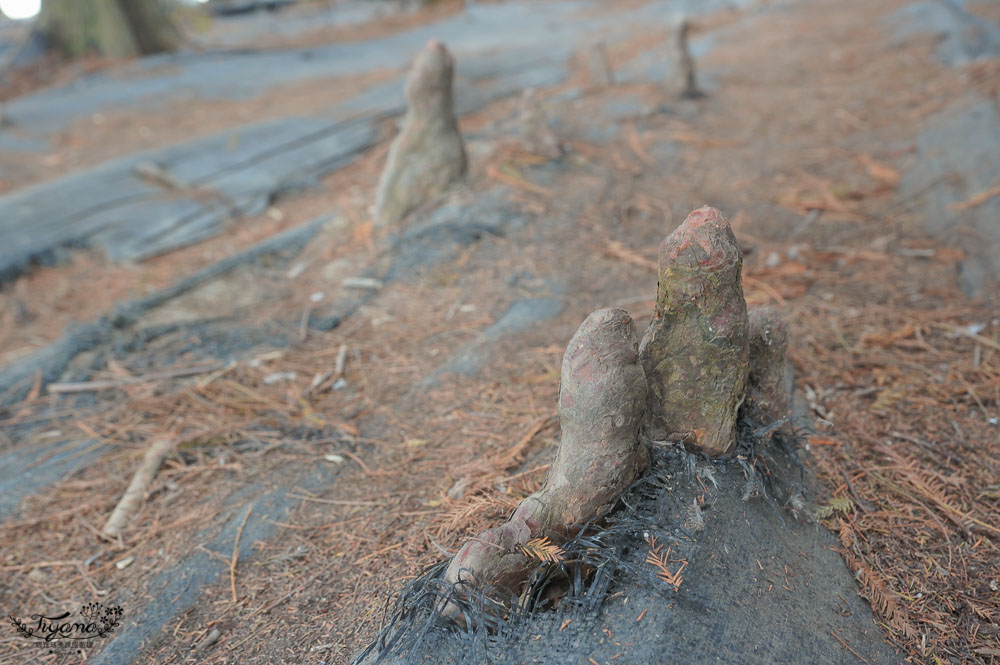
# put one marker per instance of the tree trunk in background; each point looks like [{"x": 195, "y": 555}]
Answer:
[{"x": 112, "y": 28}]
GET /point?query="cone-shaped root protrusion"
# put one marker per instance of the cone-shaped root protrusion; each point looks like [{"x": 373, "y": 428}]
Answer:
[
  {"x": 695, "y": 352},
  {"x": 684, "y": 80},
  {"x": 428, "y": 154},
  {"x": 536, "y": 132},
  {"x": 767, "y": 396},
  {"x": 599, "y": 69},
  {"x": 602, "y": 395}
]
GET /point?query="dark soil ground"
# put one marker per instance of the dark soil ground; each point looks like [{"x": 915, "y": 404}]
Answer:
[{"x": 336, "y": 495}]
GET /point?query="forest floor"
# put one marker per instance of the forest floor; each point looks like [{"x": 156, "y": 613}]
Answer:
[{"x": 356, "y": 437}]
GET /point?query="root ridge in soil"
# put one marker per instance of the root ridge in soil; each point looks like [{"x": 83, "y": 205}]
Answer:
[{"x": 700, "y": 559}]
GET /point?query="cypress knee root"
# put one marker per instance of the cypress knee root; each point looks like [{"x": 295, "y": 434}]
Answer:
[
  {"x": 428, "y": 154},
  {"x": 767, "y": 396},
  {"x": 695, "y": 352},
  {"x": 599, "y": 67},
  {"x": 536, "y": 132},
  {"x": 602, "y": 396},
  {"x": 684, "y": 77}
]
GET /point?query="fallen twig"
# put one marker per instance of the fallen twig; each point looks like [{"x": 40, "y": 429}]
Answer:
[
  {"x": 338, "y": 367},
  {"x": 858, "y": 501},
  {"x": 986, "y": 341},
  {"x": 333, "y": 502},
  {"x": 25, "y": 567},
  {"x": 364, "y": 467},
  {"x": 210, "y": 639},
  {"x": 86, "y": 386},
  {"x": 848, "y": 647},
  {"x": 976, "y": 200},
  {"x": 129, "y": 504}
]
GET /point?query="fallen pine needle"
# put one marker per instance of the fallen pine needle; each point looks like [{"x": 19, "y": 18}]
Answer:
[
  {"x": 976, "y": 200},
  {"x": 985, "y": 341},
  {"x": 516, "y": 452},
  {"x": 848, "y": 647},
  {"x": 206, "y": 380},
  {"x": 616, "y": 250},
  {"x": 542, "y": 550},
  {"x": 236, "y": 552},
  {"x": 635, "y": 143},
  {"x": 537, "y": 469},
  {"x": 357, "y": 459},
  {"x": 765, "y": 287},
  {"x": 509, "y": 175},
  {"x": 820, "y": 440},
  {"x": 702, "y": 142},
  {"x": 660, "y": 560},
  {"x": 381, "y": 551}
]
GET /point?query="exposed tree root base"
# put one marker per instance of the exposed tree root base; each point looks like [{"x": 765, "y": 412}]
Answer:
[{"x": 628, "y": 549}]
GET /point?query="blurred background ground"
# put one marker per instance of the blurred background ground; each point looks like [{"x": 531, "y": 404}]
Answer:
[{"x": 853, "y": 145}]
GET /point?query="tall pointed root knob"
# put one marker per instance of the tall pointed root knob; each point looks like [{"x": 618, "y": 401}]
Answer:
[
  {"x": 428, "y": 154},
  {"x": 695, "y": 351},
  {"x": 684, "y": 77},
  {"x": 536, "y": 131},
  {"x": 599, "y": 69}
]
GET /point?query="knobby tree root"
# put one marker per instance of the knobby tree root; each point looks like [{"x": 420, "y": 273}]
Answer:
[
  {"x": 599, "y": 69},
  {"x": 683, "y": 78},
  {"x": 767, "y": 396},
  {"x": 701, "y": 357},
  {"x": 536, "y": 131},
  {"x": 428, "y": 155},
  {"x": 602, "y": 397},
  {"x": 695, "y": 351}
]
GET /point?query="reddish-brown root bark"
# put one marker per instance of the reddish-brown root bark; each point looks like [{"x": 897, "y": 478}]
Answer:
[
  {"x": 695, "y": 350},
  {"x": 601, "y": 400}
]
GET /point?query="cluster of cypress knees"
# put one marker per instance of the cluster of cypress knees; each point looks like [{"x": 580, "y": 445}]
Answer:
[
  {"x": 702, "y": 358},
  {"x": 428, "y": 154}
]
